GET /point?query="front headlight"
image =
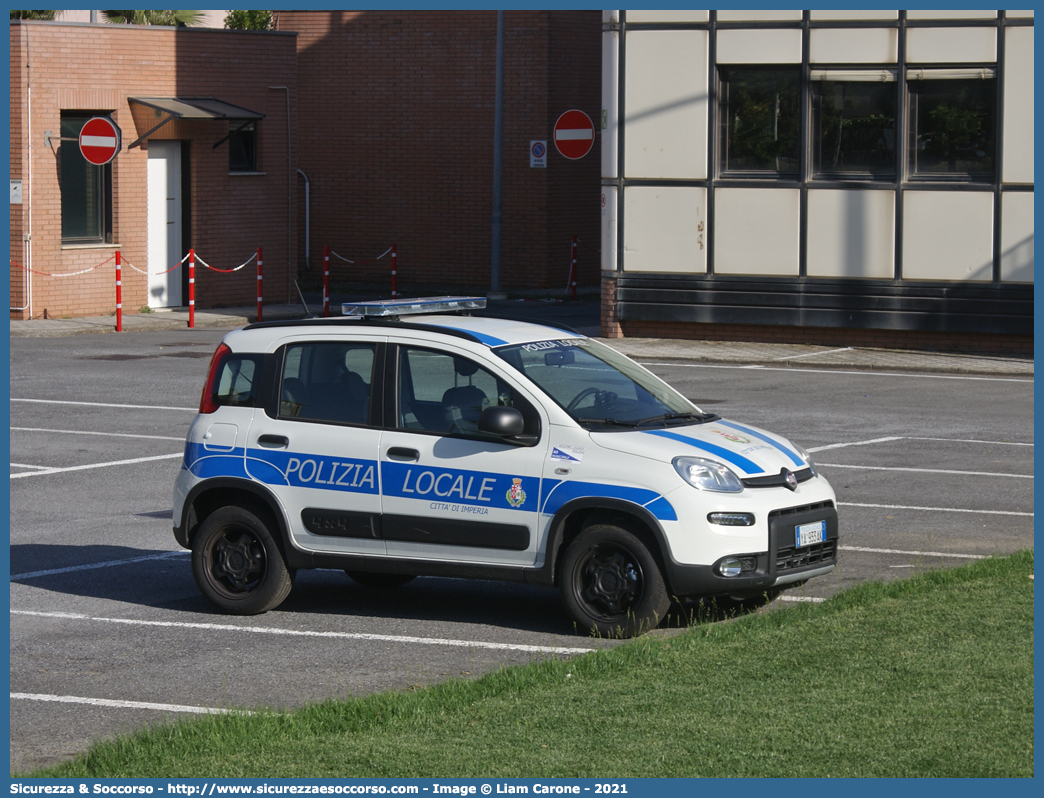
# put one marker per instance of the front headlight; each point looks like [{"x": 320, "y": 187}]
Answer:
[
  {"x": 801, "y": 450},
  {"x": 707, "y": 475}
]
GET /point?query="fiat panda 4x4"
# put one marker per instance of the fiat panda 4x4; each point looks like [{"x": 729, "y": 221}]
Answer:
[{"x": 407, "y": 438}]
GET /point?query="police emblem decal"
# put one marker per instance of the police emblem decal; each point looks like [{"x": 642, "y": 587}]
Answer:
[{"x": 516, "y": 497}]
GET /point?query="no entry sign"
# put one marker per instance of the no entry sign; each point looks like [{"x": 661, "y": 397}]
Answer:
[
  {"x": 99, "y": 140},
  {"x": 574, "y": 134}
]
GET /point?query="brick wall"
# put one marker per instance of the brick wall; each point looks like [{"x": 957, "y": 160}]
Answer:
[
  {"x": 397, "y": 113},
  {"x": 97, "y": 68}
]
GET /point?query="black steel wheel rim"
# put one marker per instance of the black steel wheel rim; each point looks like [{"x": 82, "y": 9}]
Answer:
[
  {"x": 236, "y": 562},
  {"x": 608, "y": 582}
]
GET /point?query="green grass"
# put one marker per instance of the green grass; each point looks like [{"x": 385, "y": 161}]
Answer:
[{"x": 929, "y": 676}]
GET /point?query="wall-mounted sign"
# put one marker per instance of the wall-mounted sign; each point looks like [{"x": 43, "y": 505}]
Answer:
[
  {"x": 99, "y": 140},
  {"x": 16, "y": 192},
  {"x": 538, "y": 154},
  {"x": 574, "y": 134}
]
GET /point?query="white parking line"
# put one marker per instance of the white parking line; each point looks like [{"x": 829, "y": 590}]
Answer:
[
  {"x": 268, "y": 630},
  {"x": 94, "y": 465},
  {"x": 935, "y": 509},
  {"x": 853, "y": 443},
  {"x": 914, "y": 553},
  {"x": 839, "y": 372},
  {"x": 962, "y": 440},
  {"x": 108, "y": 702},
  {"x": 104, "y": 434},
  {"x": 105, "y": 404},
  {"x": 814, "y": 354},
  {"x": 95, "y": 565},
  {"x": 926, "y": 470}
]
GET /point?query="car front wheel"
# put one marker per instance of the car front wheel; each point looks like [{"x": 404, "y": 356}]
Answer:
[
  {"x": 237, "y": 564},
  {"x": 610, "y": 584}
]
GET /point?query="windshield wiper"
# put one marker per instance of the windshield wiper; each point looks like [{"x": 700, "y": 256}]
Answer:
[
  {"x": 609, "y": 422},
  {"x": 702, "y": 418}
]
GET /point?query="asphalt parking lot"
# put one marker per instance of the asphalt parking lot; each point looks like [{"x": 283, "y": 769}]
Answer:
[{"x": 108, "y": 630}]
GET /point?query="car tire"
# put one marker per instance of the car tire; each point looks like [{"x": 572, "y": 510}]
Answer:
[
  {"x": 379, "y": 581},
  {"x": 610, "y": 583},
  {"x": 237, "y": 563}
]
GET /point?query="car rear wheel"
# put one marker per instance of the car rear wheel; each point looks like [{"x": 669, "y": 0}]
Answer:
[
  {"x": 237, "y": 564},
  {"x": 610, "y": 583},
  {"x": 378, "y": 581}
]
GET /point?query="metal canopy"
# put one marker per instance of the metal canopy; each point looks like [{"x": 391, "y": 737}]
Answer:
[{"x": 191, "y": 108}]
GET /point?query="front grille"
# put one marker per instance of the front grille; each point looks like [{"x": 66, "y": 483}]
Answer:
[
  {"x": 790, "y": 558},
  {"x": 804, "y": 509},
  {"x": 778, "y": 480}
]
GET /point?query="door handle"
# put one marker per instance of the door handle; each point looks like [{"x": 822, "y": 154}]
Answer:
[
  {"x": 278, "y": 441},
  {"x": 402, "y": 453}
]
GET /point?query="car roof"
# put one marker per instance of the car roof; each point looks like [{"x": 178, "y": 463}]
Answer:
[{"x": 490, "y": 331}]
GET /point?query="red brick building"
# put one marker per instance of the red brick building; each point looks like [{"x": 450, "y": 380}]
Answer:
[
  {"x": 386, "y": 117},
  {"x": 71, "y": 218},
  {"x": 396, "y": 138}
]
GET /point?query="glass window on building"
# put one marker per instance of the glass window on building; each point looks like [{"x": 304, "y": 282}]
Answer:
[
  {"x": 242, "y": 146},
  {"x": 86, "y": 189},
  {"x": 853, "y": 123},
  {"x": 761, "y": 121},
  {"x": 953, "y": 118}
]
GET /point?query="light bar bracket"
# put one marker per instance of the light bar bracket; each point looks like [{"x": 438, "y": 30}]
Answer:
[{"x": 383, "y": 308}]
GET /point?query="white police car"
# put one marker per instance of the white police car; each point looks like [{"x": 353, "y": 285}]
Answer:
[{"x": 390, "y": 445}]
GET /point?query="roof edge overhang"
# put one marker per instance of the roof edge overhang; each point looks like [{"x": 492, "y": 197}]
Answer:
[{"x": 191, "y": 108}]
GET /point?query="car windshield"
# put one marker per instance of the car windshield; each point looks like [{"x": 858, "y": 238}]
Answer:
[{"x": 598, "y": 386}]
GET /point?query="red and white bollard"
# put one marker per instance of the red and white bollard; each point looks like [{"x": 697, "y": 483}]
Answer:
[
  {"x": 119, "y": 293},
  {"x": 394, "y": 272},
  {"x": 260, "y": 293},
  {"x": 326, "y": 281},
  {"x": 572, "y": 273},
  {"x": 192, "y": 288}
]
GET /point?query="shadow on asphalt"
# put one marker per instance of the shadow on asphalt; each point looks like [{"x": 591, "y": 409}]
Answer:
[{"x": 164, "y": 581}]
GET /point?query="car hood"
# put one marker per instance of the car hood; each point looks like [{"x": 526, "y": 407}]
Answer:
[{"x": 747, "y": 450}]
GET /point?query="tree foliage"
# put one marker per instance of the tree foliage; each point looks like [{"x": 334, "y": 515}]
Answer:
[
  {"x": 153, "y": 17},
  {"x": 248, "y": 20},
  {"x": 49, "y": 16}
]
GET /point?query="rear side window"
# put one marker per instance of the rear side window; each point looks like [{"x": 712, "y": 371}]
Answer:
[
  {"x": 237, "y": 381},
  {"x": 327, "y": 381}
]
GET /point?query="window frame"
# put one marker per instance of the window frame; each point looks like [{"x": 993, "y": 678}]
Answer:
[
  {"x": 917, "y": 76},
  {"x": 888, "y": 75},
  {"x": 102, "y": 174},
  {"x": 724, "y": 89},
  {"x": 243, "y": 140}
]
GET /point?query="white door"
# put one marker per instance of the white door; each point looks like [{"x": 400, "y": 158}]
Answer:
[
  {"x": 447, "y": 492},
  {"x": 164, "y": 223}
]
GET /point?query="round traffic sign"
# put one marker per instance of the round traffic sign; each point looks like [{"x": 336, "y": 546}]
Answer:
[
  {"x": 99, "y": 140},
  {"x": 574, "y": 134}
]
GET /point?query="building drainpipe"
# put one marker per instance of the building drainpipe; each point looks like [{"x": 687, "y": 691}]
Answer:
[
  {"x": 308, "y": 215},
  {"x": 289, "y": 173},
  {"x": 27, "y": 246}
]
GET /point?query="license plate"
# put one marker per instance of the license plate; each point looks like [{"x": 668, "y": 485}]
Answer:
[{"x": 807, "y": 534}]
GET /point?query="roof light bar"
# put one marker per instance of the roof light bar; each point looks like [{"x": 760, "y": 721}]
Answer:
[{"x": 410, "y": 307}]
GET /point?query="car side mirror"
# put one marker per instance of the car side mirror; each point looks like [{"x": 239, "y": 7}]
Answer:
[{"x": 503, "y": 421}]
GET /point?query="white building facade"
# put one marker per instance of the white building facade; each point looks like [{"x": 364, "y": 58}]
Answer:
[{"x": 825, "y": 176}]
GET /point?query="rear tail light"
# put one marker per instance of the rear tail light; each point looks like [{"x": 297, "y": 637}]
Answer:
[{"x": 206, "y": 401}]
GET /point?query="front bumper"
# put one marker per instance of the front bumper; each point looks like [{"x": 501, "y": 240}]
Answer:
[{"x": 781, "y": 565}]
